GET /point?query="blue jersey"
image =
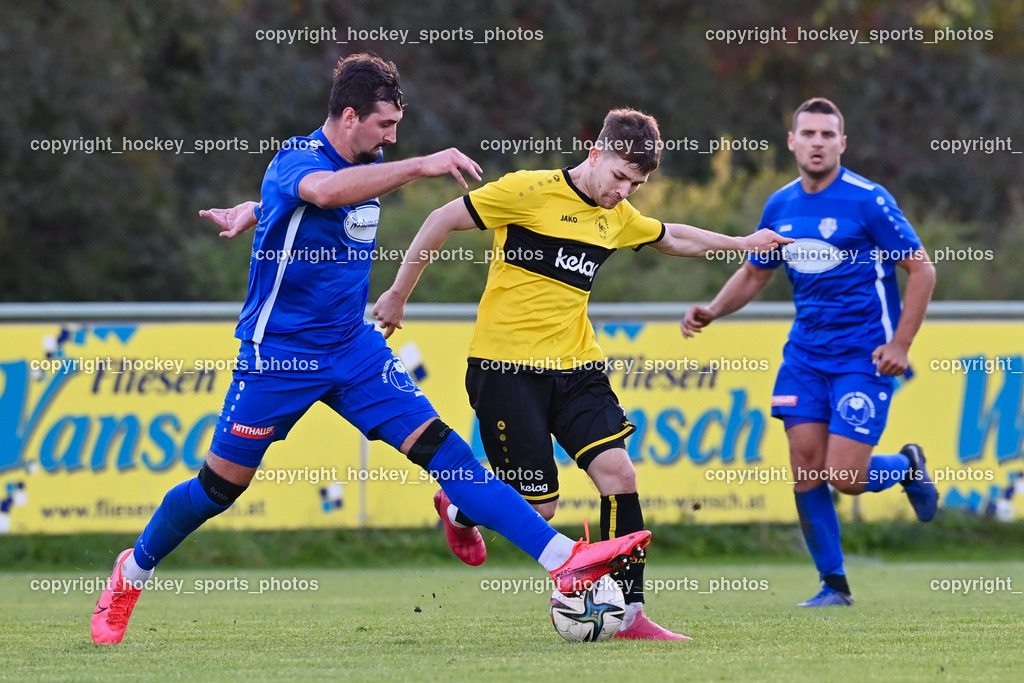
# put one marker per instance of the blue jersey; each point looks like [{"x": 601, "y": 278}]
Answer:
[
  {"x": 849, "y": 238},
  {"x": 309, "y": 271}
]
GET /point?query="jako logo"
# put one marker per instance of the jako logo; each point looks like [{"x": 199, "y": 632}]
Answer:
[
  {"x": 577, "y": 264},
  {"x": 568, "y": 219},
  {"x": 239, "y": 429}
]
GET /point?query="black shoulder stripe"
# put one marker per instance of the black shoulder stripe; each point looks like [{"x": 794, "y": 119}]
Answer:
[
  {"x": 661, "y": 236},
  {"x": 473, "y": 213}
]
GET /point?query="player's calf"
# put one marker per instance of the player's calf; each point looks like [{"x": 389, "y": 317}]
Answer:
[{"x": 183, "y": 510}]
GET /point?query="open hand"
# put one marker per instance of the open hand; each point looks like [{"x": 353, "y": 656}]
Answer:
[{"x": 234, "y": 221}]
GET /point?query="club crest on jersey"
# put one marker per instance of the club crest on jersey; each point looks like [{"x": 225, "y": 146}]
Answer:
[
  {"x": 395, "y": 374},
  {"x": 856, "y": 408},
  {"x": 602, "y": 227},
  {"x": 361, "y": 222},
  {"x": 827, "y": 227}
]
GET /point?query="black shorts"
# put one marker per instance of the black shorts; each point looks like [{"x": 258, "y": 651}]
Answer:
[{"x": 520, "y": 411}]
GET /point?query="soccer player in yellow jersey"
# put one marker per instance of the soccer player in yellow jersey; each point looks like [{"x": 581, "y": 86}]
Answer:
[{"x": 535, "y": 369}]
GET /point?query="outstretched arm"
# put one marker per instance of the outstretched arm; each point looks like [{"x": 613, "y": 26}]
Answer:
[
  {"x": 736, "y": 293},
  {"x": 355, "y": 184},
  {"x": 686, "y": 240},
  {"x": 431, "y": 236},
  {"x": 891, "y": 358},
  {"x": 352, "y": 185}
]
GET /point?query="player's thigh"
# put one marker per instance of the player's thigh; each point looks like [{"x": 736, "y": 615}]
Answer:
[
  {"x": 588, "y": 421},
  {"x": 512, "y": 410},
  {"x": 801, "y": 400},
  {"x": 860, "y": 405},
  {"x": 374, "y": 392},
  {"x": 801, "y": 394},
  {"x": 266, "y": 398},
  {"x": 860, "y": 410}
]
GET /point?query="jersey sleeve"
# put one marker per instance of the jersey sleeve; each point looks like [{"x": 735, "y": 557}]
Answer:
[
  {"x": 638, "y": 230},
  {"x": 512, "y": 199},
  {"x": 889, "y": 228},
  {"x": 296, "y": 162}
]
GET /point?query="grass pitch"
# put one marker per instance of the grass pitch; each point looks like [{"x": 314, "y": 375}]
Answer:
[{"x": 448, "y": 624}]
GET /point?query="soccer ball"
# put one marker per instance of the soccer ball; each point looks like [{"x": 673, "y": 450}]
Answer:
[{"x": 594, "y": 615}]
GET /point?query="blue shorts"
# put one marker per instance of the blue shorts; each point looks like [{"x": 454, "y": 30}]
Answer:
[
  {"x": 853, "y": 404},
  {"x": 361, "y": 380}
]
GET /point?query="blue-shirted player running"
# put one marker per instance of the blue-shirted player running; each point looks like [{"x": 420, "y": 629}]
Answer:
[
  {"x": 304, "y": 339},
  {"x": 849, "y": 339}
]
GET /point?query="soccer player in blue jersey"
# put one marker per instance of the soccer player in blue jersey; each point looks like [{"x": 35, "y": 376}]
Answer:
[
  {"x": 304, "y": 339},
  {"x": 849, "y": 340}
]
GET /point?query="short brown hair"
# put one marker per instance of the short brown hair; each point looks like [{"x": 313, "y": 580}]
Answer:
[
  {"x": 361, "y": 81},
  {"x": 634, "y": 136},
  {"x": 820, "y": 105}
]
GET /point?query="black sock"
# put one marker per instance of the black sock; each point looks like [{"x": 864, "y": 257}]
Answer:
[
  {"x": 838, "y": 582},
  {"x": 621, "y": 515},
  {"x": 462, "y": 519}
]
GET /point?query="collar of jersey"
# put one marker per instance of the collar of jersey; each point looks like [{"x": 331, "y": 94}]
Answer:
[
  {"x": 568, "y": 181},
  {"x": 821, "y": 193},
  {"x": 332, "y": 153}
]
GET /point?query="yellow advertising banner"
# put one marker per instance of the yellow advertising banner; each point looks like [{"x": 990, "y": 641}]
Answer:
[{"x": 97, "y": 422}]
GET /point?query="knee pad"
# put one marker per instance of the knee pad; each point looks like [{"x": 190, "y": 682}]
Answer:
[
  {"x": 422, "y": 452},
  {"x": 217, "y": 488}
]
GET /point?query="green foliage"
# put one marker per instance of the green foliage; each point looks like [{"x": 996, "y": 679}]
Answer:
[{"x": 79, "y": 226}]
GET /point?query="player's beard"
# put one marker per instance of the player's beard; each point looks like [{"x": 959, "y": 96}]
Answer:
[{"x": 370, "y": 156}]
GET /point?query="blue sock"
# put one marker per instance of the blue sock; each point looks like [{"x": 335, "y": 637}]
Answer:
[
  {"x": 487, "y": 500},
  {"x": 820, "y": 525},
  {"x": 183, "y": 510},
  {"x": 886, "y": 470}
]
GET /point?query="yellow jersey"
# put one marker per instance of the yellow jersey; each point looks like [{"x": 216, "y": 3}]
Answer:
[{"x": 549, "y": 241}]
